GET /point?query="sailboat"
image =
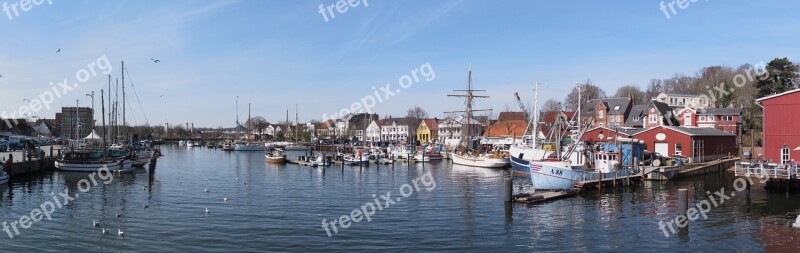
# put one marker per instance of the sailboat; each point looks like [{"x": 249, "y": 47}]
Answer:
[
  {"x": 248, "y": 145},
  {"x": 467, "y": 155}
]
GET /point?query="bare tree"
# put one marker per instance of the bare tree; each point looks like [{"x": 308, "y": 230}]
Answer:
[
  {"x": 552, "y": 105},
  {"x": 631, "y": 91},
  {"x": 415, "y": 115},
  {"x": 655, "y": 88},
  {"x": 589, "y": 91}
]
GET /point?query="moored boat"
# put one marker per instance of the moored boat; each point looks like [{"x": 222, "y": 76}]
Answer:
[
  {"x": 4, "y": 177},
  {"x": 274, "y": 156},
  {"x": 483, "y": 160}
]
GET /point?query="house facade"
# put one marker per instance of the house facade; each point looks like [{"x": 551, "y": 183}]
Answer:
[
  {"x": 395, "y": 130},
  {"x": 677, "y": 101},
  {"x": 607, "y": 112},
  {"x": 374, "y": 131},
  {"x": 428, "y": 130}
]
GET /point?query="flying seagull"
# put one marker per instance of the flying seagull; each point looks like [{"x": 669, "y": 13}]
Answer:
[
  {"x": 155, "y": 60},
  {"x": 59, "y": 50}
]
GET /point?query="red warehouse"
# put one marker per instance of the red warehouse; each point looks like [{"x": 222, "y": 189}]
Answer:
[
  {"x": 699, "y": 144},
  {"x": 781, "y": 115}
]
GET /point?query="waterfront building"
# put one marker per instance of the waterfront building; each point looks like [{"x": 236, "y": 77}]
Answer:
[
  {"x": 695, "y": 143},
  {"x": 781, "y": 134},
  {"x": 374, "y": 131},
  {"x": 78, "y": 119},
  {"x": 428, "y": 130},
  {"x": 396, "y": 130},
  {"x": 508, "y": 125}
]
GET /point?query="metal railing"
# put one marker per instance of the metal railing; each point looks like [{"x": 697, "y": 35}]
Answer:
[{"x": 771, "y": 170}]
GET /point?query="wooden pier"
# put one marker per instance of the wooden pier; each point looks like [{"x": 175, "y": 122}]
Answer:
[{"x": 544, "y": 196}]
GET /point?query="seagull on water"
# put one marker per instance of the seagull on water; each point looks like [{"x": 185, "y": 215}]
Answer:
[
  {"x": 119, "y": 215},
  {"x": 59, "y": 50},
  {"x": 146, "y": 205},
  {"x": 105, "y": 231},
  {"x": 207, "y": 211},
  {"x": 206, "y": 189},
  {"x": 224, "y": 199},
  {"x": 120, "y": 233},
  {"x": 95, "y": 224}
]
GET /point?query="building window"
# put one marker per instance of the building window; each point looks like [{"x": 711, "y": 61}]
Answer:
[
  {"x": 785, "y": 155},
  {"x": 600, "y": 114},
  {"x": 652, "y": 118},
  {"x": 678, "y": 149},
  {"x": 726, "y": 118}
]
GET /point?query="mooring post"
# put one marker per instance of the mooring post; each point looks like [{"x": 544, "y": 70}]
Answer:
[
  {"x": 683, "y": 201},
  {"x": 508, "y": 189}
]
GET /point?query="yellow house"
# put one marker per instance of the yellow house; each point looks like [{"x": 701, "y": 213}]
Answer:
[{"x": 428, "y": 130}]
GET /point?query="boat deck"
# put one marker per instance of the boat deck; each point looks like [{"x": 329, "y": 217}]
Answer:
[{"x": 544, "y": 196}]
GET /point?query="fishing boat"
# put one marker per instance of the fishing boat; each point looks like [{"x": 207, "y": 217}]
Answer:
[
  {"x": 82, "y": 161},
  {"x": 318, "y": 161},
  {"x": 228, "y": 146},
  {"x": 429, "y": 153},
  {"x": 274, "y": 155},
  {"x": 399, "y": 151},
  {"x": 249, "y": 146},
  {"x": 356, "y": 160},
  {"x": 4, "y": 177},
  {"x": 469, "y": 156},
  {"x": 608, "y": 161}
]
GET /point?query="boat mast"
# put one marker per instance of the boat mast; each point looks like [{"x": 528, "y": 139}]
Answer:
[
  {"x": 535, "y": 133},
  {"x": 124, "y": 123},
  {"x": 109, "y": 129},
  {"x": 103, "y": 114},
  {"x": 579, "y": 105},
  {"x": 247, "y": 134},
  {"x": 296, "y": 124},
  {"x": 468, "y": 112},
  {"x": 77, "y": 121},
  {"x": 237, "y": 118}
]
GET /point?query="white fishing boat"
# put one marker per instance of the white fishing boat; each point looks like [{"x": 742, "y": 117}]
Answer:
[
  {"x": 274, "y": 155},
  {"x": 319, "y": 161},
  {"x": 429, "y": 153},
  {"x": 358, "y": 159},
  {"x": 400, "y": 151},
  {"x": 181, "y": 143}
]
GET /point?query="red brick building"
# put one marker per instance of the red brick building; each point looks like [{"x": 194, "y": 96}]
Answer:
[
  {"x": 781, "y": 116},
  {"x": 726, "y": 119}
]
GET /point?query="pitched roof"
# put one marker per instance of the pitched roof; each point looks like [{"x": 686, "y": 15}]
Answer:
[
  {"x": 699, "y": 131},
  {"x": 610, "y": 103},
  {"x": 398, "y": 121},
  {"x": 681, "y": 95},
  {"x": 721, "y": 111},
  {"x": 512, "y": 116},
  {"x": 777, "y": 95},
  {"x": 432, "y": 124},
  {"x": 636, "y": 111},
  {"x": 506, "y": 128}
]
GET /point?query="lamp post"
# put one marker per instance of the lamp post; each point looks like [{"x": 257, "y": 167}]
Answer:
[{"x": 92, "y": 120}]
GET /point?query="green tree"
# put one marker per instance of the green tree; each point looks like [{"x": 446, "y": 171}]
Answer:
[{"x": 781, "y": 75}]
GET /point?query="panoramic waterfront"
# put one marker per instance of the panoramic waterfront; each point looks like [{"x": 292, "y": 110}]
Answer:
[{"x": 281, "y": 207}]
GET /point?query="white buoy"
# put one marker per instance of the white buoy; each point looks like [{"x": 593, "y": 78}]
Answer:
[{"x": 796, "y": 222}]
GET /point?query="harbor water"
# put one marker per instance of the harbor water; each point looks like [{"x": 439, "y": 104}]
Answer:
[{"x": 254, "y": 206}]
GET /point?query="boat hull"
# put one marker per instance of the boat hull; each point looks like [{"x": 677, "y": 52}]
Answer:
[
  {"x": 274, "y": 159},
  {"x": 554, "y": 178},
  {"x": 481, "y": 162},
  {"x": 115, "y": 166},
  {"x": 520, "y": 167},
  {"x": 242, "y": 147}
]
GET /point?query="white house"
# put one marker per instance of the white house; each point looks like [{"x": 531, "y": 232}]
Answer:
[
  {"x": 395, "y": 130},
  {"x": 450, "y": 131},
  {"x": 374, "y": 131},
  {"x": 680, "y": 101}
]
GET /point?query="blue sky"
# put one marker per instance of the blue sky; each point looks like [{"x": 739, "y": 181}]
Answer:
[{"x": 275, "y": 54}]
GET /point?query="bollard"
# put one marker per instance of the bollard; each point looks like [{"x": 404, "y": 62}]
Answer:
[
  {"x": 508, "y": 189},
  {"x": 683, "y": 201}
]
